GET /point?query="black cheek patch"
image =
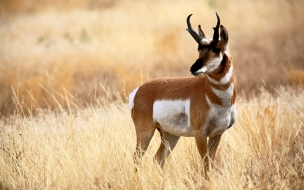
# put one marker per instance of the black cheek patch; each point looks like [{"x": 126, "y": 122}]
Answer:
[{"x": 196, "y": 66}]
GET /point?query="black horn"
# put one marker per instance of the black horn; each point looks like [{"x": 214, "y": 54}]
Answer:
[
  {"x": 200, "y": 32},
  {"x": 192, "y": 32},
  {"x": 216, "y": 29}
]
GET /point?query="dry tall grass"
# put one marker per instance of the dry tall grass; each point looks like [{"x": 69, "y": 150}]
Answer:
[
  {"x": 53, "y": 47},
  {"x": 73, "y": 62},
  {"x": 92, "y": 149}
]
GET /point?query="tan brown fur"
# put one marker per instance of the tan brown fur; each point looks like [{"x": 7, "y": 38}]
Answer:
[
  {"x": 180, "y": 88},
  {"x": 209, "y": 101}
]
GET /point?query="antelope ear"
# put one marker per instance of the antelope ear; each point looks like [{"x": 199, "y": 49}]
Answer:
[{"x": 224, "y": 35}]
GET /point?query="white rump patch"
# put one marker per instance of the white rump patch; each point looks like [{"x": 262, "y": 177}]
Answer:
[
  {"x": 173, "y": 116},
  {"x": 131, "y": 98}
]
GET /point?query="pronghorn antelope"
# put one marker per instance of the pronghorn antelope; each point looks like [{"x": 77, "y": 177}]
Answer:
[{"x": 201, "y": 106}]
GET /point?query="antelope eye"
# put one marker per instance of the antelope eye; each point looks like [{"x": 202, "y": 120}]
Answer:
[{"x": 216, "y": 50}]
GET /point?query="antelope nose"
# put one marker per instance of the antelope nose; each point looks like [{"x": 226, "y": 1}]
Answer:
[{"x": 194, "y": 69}]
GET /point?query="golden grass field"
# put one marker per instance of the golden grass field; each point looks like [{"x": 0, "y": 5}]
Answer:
[
  {"x": 92, "y": 148},
  {"x": 67, "y": 68}
]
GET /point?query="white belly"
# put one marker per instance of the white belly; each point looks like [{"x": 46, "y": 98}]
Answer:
[{"x": 173, "y": 116}]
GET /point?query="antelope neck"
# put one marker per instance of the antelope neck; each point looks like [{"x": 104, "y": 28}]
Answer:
[
  {"x": 223, "y": 81},
  {"x": 220, "y": 88}
]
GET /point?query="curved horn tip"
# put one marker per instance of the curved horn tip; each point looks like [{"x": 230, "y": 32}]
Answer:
[
  {"x": 218, "y": 17},
  {"x": 189, "y": 16},
  {"x": 218, "y": 21}
]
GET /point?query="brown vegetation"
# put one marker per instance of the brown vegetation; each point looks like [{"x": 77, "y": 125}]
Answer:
[
  {"x": 73, "y": 64},
  {"x": 92, "y": 148},
  {"x": 54, "y": 49}
]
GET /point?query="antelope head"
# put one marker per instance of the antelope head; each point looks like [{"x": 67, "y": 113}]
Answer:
[{"x": 211, "y": 51}]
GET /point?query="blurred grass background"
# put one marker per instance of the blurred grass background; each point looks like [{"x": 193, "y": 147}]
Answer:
[
  {"x": 51, "y": 51},
  {"x": 91, "y": 53}
]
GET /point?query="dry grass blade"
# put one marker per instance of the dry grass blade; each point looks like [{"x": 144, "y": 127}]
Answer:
[{"x": 93, "y": 148}]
